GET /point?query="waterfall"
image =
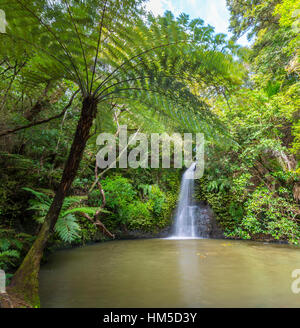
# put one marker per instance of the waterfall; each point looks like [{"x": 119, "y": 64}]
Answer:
[
  {"x": 193, "y": 219},
  {"x": 185, "y": 218}
]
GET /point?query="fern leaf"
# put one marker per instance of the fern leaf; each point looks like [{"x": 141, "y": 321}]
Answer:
[{"x": 67, "y": 228}]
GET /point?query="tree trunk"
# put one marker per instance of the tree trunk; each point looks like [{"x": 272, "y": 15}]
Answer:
[{"x": 25, "y": 280}]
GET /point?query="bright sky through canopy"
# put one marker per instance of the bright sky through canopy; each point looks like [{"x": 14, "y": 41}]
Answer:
[{"x": 213, "y": 12}]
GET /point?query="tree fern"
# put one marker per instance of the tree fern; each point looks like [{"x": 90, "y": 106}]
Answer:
[{"x": 133, "y": 54}]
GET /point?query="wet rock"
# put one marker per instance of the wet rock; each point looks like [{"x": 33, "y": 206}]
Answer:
[{"x": 206, "y": 223}]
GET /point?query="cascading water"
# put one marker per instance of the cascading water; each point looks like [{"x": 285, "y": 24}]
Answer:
[
  {"x": 192, "y": 220},
  {"x": 184, "y": 225}
]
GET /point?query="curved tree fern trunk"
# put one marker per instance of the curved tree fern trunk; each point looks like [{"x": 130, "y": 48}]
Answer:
[{"x": 25, "y": 281}]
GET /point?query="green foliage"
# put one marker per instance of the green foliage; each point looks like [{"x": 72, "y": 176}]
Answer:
[
  {"x": 174, "y": 74},
  {"x": 141, "y": 207},
  {"x": 12, "y": 247},
  {"x": 139, "y": 216},
  {"x": 119, "y": 193},
  {"x": 275, "y": 55},
  {"x": 148, "y": 215},
  {"x": 269, "y": 216},
  {"x": 226, "y": 208},
  {"x": 156, "y": 200},
  {"x": 158, "y": 71},
  {"x": 87, "y": 210},
  {"x": 13, "y": 174},
  {"x": 67, "y": 226},
  {"x": 8, "y": 258},
  {"x": 275, "y": 216}
]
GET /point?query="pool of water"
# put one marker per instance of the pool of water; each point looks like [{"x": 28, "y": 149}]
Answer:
[{"x": 171, "y": 273}]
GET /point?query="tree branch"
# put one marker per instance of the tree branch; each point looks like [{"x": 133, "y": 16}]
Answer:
[{"x": 99, "y": 224}]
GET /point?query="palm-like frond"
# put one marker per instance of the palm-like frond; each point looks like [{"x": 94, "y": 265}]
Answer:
[{"x": 112, "y": 55}]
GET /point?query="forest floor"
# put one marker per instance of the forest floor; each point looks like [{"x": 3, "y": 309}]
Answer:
[{"x": 10, "y": 300}]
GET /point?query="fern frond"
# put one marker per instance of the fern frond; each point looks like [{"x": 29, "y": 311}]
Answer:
[
  {"x": 39, "y": 195},
  {"x": 67, "y": 228},
  {"x": 86, "y": 210},
  {"x": 9, "y": 253},
  {"x": 4, "y": 244}
]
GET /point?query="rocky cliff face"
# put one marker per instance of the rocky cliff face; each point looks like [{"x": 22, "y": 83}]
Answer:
[{"x": 206, "y": 223}]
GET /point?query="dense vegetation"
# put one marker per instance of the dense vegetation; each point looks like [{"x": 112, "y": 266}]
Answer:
[
  {"x": 253, "y": 185},
  {"x": 72, "y": 69}
]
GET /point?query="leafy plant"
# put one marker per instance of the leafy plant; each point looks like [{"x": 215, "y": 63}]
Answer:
[
  {"x": 67, "y": 226},
  {"x": 119, "y": 193},
  {"x": 10, "y": 249}
]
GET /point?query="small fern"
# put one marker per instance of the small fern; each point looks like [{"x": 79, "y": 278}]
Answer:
[
  {"x": 10, "y": 248},
  {"x": 66, "y": 226},
  {"x": 4, "y": 244},
  {"x": 9, "y": 253},
  {"x": 8, "y": 257}
]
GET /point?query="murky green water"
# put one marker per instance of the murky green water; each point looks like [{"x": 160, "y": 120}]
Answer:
[{"x": 171, "y": 273}]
